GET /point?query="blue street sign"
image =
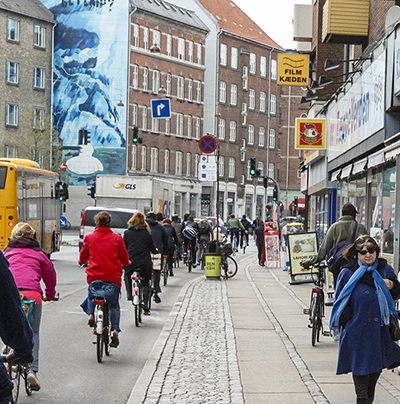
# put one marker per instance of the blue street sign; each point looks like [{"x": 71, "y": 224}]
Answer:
[
  {"x": 63, "y": 221},
  {"x": 161, "y": 108}
]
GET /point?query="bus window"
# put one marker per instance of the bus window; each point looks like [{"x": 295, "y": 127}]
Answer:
[{"x": 3, "y": 176}]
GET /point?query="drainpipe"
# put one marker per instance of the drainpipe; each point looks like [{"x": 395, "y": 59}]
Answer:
[{"x": 268, "y": 122}]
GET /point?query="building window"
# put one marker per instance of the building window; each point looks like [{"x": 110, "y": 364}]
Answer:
[
  {"x": 157, "y": 38},
  {"x": 144, "y": 152},
  {"x": 169, "y": 45},
  {"x": 156, "y": 81},
  {"x": 178, "y": 162},
  {"x": 180, "y": 88},
  {"x": 250, "y": 130},
  {"x": 144, "y": 118},
  {"x": 198, "y": 92},
  {"x": 273, "y": 104},
  {"x": 189, "y": 126},
  {"x": 263, "y": 66},
  {"x": 179, "y": 125},
  {"x": 221, "y": 166},
  {"x": 188, "y": 164},
  {"x": 260, "y": 166},
  {"x": 274, "y": 70},
  {"x": 221, "y": 129},
  {"x": 169, "y": 84},
  {"x": 146, "y": 38},
  {"x": 245, "y": 78},
  {"x": 145, "y": 79},
  {"x": 197, "y": 127},
  {"x": 134, "y": 157},
  {"x": 12, "y": 72},
  {"x": 272, "y": 138},
  {"x": 181, "y": 48},
  {"x": 271, "y": 170},
  {"x": 248, "y": 170},
  {"x": 13, "y": 30},
  {"x": 154, "y": 160},
  {"x": 231, "y": 172},
  {"x": 253, "y": 63},
  {"x": 244, "y": 114},
  {"x": 191, "y": 51},
  {"x": 263, "y": 97},
  {"x": 155, "y": 125},
  {"x": 135, "y": 112},
  {"x": 136, "y": 38},
  {"x": 223, "y": 57},
  {"x": 38, "y": 118},
  {"x": 135, "y": 77},
  {"x": 39, "y": 80},
  {"x": 234, "y": 58},
  {"x": 196, "y": 165},
  {"x": 252, "y": 99},
  {"x": 190, "y": 90},
  {"x": 261, "y": 136},
  {"x": 243, "y": 151},
  {"x": 232, "y": 131},
  {"x": 11, "y": 152},
  {"x": 222, "y": 91},
  {"x": 168, "y": 126},
  {"x": 12, "y": 115},
  {"x": 40, "y": 36},
  {"x": 199, "y": 54},
  {"x": 233, "y": 94},
  {"x": 166, "y": 161}
]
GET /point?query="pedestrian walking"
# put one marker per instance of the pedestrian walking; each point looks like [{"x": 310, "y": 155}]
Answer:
[
  {"x": 361, "y": 313},
  {"x": 259, "y": 236}
]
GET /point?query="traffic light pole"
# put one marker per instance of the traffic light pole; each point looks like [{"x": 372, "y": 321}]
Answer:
[{"x": 277, "y": 202}]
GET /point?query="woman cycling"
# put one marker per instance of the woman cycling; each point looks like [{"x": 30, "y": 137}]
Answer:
[
  {"x": 29, "y": 265},
  {"x": 106, "y": 254},
  {"x": 139, "y": 244}
]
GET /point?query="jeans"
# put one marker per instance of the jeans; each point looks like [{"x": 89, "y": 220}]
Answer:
[
  {"x": 37, "y": 314},
  {"x": 5, "y": 385},
  {"x": 365, "y": 387},
  {"x": 235, "y": 233},
  {"x": 108, "y": 291},
  {"x": 156, "y": 280}
]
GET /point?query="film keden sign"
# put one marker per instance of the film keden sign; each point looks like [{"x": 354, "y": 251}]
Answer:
[{"x": 293, "y": 69}]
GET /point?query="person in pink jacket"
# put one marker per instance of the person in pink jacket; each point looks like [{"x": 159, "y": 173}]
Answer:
[{"x": 29, "y": 265}]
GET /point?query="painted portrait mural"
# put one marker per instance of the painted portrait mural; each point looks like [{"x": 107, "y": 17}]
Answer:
[{"x": 90, "y": 82}]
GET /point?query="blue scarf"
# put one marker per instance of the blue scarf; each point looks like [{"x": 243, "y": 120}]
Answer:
[{"x": 386, "y": 303}]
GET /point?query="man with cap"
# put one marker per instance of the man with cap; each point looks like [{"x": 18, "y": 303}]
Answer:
[{"x": 341, "y": 230}]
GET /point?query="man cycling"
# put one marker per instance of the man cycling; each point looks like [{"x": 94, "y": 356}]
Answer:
[
  {"x": 205, "y": 235},
  {"x": 234, "y": 226},
  {"x": 246, "y": 224},
  {"x": 189, "y": 241}
]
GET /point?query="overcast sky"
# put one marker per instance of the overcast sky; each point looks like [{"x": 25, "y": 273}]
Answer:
[{"x": 274, "y": 17}]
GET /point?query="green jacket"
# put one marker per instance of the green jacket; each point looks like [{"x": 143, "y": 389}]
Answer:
[
  {"x": 339, "y": 231},
  {"x": 235, "y": 223}
]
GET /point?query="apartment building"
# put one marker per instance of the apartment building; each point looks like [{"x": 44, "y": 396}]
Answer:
[{"x": 26, "y": 68}]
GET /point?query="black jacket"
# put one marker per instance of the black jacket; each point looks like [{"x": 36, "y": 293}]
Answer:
[
  {"x": 169, "y": 229},
  {"x": 159, "y": 235},
  {"x": 259, "y": 232}
]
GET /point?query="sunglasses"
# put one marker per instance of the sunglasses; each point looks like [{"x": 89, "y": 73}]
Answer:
[{"x": 364, "y": 252}]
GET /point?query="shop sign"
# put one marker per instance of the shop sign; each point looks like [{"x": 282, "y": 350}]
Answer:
[
  {"x": 293, "y": 69},
  {"x": 310, "y": 134}
]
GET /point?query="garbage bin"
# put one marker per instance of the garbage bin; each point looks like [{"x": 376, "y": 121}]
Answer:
[{"x": 213, "y": 265}]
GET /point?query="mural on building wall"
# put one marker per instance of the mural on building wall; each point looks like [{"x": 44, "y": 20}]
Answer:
[{"x": 90, "y": 80}]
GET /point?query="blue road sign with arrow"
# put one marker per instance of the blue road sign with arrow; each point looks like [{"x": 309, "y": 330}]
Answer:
[
  {"x": 161, "y": 108},
  {"x": 63, "y": 221}
]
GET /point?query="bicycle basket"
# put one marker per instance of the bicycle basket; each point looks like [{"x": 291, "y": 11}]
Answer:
[
  {"x": 28, "y": 305},
  {"x": 228, "y": 249}
]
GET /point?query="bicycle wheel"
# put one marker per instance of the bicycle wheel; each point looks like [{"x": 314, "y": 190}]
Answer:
[
  {"x": 28, "y": 388},
  {"x": 189, "y": 261},
  {"x": 106, "y": 332},
  {"x": 231, "y": 267},
  {"x": 165, "y": 270},
  {"x": 314, "y": 319},
  {"x": 203, "y": 258},
  {"x": 14, "y": 374},
  {"x": 244, "y": 245},
  {"x": 137, "y": 314}
]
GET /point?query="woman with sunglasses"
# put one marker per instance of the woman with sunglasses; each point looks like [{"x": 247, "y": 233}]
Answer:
[{"x": 363, "y": 304}]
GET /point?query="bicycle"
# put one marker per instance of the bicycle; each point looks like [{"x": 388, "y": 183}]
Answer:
[
  {"x": 138, "y": 300},
  {"x": 164, "y": 269},
  {"x": 316, "y": 311},
  {"x": 228, "y": 264},
  {"x": 202, "y": 253},
  {"x": 245, "y": 242},
  {"x": 102, "y": 328},
  {"x": 176, "y": 257},
  {"x": 188, "y": 257}
]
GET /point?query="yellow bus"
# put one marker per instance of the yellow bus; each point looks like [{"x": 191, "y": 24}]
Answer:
[{"x": 30, "y": 194}]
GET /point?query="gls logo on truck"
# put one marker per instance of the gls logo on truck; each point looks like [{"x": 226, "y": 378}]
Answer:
[{"x": 131, "y": 187}]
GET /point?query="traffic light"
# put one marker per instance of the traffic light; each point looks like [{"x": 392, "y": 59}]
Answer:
[
  {"x": 80, "y": 137},
  {"x": 62, "y": 193},
  {"x": 252, "y": 166},
  {"x": 265, "y": 182},
  {"x": 296, "y": 202},
  {"x": 275, "y": 194},
  {"x": 83, "y": 137},
  {"x": 136, "y": 138},
  {"x": 92, "y": 191}
]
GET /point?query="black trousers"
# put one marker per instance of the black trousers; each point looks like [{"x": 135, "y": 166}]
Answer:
[
  {"x": 365, "y": 387},
  {"x": 260, "y": 253}
]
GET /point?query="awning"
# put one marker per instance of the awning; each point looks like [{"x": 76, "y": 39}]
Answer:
[
  {"x": 346, "y": 171},
  {"x": 301, "y": 204},
  {"x": 376, "y": 159},
  {"x": 359, "y": 166},
  {"x": 392, "y": 151},
  {"x": 335, "y": 175}
]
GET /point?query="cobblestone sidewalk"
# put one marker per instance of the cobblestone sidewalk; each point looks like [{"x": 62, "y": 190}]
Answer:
[{"x": 198, "y": 363}]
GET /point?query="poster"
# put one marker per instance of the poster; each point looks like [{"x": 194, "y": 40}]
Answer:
[
  {"x": 302, "y": 246},
  {"x": 271, "y": 243}
]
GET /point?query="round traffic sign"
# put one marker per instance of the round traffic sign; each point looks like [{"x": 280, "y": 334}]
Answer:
[
  {"x": 207, "y": 144},
  {"x": 63, "y": 221}
]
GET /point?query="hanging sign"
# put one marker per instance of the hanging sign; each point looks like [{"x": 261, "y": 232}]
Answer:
[{"x": 310, "y": 134}]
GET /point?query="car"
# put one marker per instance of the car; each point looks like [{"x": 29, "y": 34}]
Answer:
[{"x": 119, "y": 219}]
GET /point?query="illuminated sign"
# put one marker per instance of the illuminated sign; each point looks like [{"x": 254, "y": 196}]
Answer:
[
  {"x": 310, "y": 134},
  {"x": 293, "y": 69}
]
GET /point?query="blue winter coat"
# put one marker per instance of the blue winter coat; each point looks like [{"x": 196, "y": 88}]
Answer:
[{"x": 365, "y": 346}]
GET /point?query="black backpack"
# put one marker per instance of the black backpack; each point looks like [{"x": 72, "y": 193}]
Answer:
[{"x": 204, "y": 227}]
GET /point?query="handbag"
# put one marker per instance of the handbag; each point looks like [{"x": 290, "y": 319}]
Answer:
[{"x": 394, "y": 327}]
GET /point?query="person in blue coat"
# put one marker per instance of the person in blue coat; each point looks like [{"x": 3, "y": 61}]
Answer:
[{"x": 364, "y": 301}]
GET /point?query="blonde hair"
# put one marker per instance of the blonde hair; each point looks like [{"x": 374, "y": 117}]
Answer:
[
  {"x": 137, "y": 220},
  {"x": 22, "y": 229}
]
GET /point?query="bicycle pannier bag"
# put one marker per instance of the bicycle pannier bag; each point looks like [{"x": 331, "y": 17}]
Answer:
[
  {"x": 189, "y": 232},
  {"x": 228, "y": 248},
  {"x": 204, "y": 227}
]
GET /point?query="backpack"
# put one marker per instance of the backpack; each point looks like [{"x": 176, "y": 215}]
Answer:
[
  {"x": 189, "y": 232},
  {"x": 204, "y": 227},
  {"x": 334, "y": 258}
]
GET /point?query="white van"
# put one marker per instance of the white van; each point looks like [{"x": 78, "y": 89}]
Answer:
[{"x": 119, "y": 219}]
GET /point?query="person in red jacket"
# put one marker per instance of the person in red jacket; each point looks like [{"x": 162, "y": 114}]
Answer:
[{"x": 106, "y": 253}]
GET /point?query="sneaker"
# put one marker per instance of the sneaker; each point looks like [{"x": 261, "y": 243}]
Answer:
[
  {"x": 33, "y": 381},
  {"x": 147, "y": 312},
  {"x": 157, "y": 299},
  {"x": 91, "y": 321},
  {"x": 171, "y": 273}
]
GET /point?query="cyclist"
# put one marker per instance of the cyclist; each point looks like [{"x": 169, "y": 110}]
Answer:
[
  {"x": 244, "y": 233},
  {"x": 177, "y": 225},
  {"x": 172, "y": 242},
  {"x": 234, "y": 226},
  {"x": 205, "y": 235},
  {"x": 160, "y": 241},
  {"x": 14, "y": 328},
  {"x": 139, "y": 244},
  {"x": 29, "y": 265},
  {"x": 106, "y": 254},
  {"x": 189, "y": 241}
]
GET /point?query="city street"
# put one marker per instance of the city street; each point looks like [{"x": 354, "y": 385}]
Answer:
[{"x": 245, "y": 340}]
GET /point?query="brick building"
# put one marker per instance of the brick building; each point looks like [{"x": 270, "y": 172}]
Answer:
[{"x": 26, "y": 68}]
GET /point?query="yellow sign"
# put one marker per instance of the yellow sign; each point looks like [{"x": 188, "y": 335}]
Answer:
[
  {"x": 302, "y": 247},
  {"x": 310, "y": 134},
  {"x": 293, "y": 69}
]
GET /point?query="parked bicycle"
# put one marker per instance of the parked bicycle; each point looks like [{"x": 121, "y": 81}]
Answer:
[
  {"x": 229, "y": 266},
  {"x": 316, "y": 311}
]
